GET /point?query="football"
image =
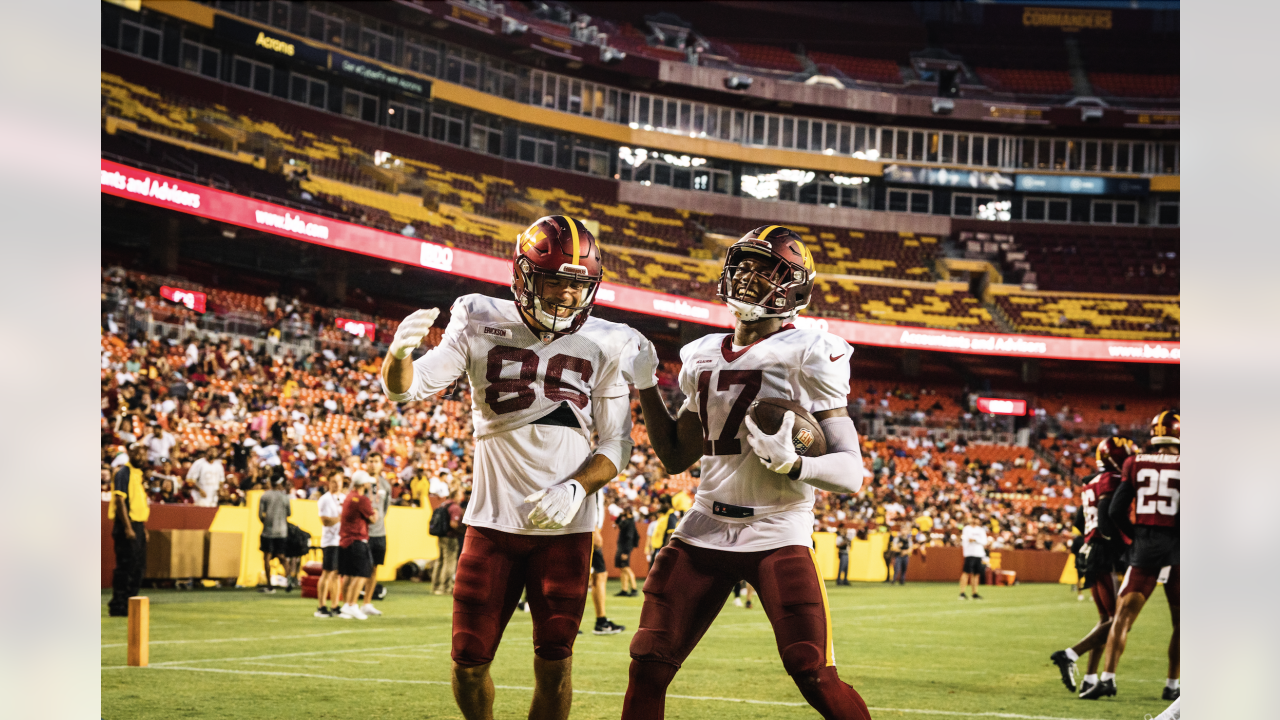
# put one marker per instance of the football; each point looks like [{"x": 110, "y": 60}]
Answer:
[{"x": 806, "y": 433}]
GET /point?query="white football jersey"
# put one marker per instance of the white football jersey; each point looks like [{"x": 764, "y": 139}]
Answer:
[
  {"x": 720, "y": 381},
  {"x": 517, "y": 378}
]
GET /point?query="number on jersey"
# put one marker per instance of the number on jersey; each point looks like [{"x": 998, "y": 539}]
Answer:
[
  {"x": 521, "y": 387},
  {"x": 1158, "y": 491},
  {"x": 750, "y": 381},
  {"x": 1089, "y": 501}
]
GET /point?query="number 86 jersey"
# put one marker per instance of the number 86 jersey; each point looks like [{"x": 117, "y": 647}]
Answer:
[{"x": 720, "y": 381}]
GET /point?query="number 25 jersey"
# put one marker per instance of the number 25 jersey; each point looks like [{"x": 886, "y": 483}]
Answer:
[
  {"x": 721, "y": 380},
  {"x": 1157, "y": 484}
]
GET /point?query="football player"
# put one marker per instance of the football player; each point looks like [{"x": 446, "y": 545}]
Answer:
[
  {"x": 1103, "y": 550},
  {"x": 544, "y": 377},
  {"x": 1153, "y": 479},
  {"x": 753, "y": 516}
]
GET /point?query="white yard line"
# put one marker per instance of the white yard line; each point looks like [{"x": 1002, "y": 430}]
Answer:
[
  {"x": 914, "y": 711},
  {"x": 255, "y": 639}
]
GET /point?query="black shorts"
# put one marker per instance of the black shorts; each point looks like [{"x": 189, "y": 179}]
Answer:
[
  {"x": 1154, "y": 547},
  {"x": 973, "y": 565},
  {"x": 355, "y": 560},
  {"x": 273, "y": 546},
  {"x": 330, "y": 561},
  {"x": 378, "y": 548},
  {"x": 597, "y": 561},
  {"x": 622, "y": 559}
]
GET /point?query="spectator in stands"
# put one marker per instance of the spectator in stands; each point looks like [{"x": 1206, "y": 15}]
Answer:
[
  {"x": 159, "y": 441},
  {"x": 205, "y": 478},
  {"x": 128, "y": 512},
  {"x": 273, "y": 512}
]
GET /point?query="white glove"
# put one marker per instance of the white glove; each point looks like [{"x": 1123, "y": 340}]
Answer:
[
  {"x": 557, "y": 505},
  {"x": 642, "y": 371},
  {"x": 411, "y": 331},
  {"x": 776, "y": 452}
]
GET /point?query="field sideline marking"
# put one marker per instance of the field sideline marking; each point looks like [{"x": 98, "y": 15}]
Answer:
[
  {"x": 252, "y": 639},
  {"x": 281, "y": 655},
  {"x": 952, "y": 713}
]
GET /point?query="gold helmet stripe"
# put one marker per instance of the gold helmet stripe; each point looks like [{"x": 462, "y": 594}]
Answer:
[
  {"x": 764, "y": 235},
  {"x": 573, "y": 231}
]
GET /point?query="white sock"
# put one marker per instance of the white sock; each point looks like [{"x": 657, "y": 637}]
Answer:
[
  {"x": 1108, "y": 676},
  {"x": 1071, "y": 655},
  {"x": 1171, "y": 683},
  {"x": 1091, "y": 679}
]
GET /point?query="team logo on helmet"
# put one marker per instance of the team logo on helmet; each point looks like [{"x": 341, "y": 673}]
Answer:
[
  {"x": 1166, "y": 429},
  {"x": 778, "y": 284},
  {"x": 561, "y": 248},
  {"x": 1112, "y": 452}
]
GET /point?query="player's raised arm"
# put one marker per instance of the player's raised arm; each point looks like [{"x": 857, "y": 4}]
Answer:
[
  {"x": 405, "y": 379},
  {"x": 676, "y": 441}
]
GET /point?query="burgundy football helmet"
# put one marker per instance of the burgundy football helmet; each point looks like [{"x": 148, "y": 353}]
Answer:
[
  {"x": 789, "y": 274},
  {"x": 558, "y": 247},
  {"x": 1112, "y": 452},
  {"x": 1166, "y": 428}
]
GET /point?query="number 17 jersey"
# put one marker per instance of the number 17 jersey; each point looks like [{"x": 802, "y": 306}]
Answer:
[{"x": 720, "y": 381}]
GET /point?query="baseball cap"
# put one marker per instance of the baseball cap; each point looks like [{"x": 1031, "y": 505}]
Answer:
[{"x": 363, "y": 479}]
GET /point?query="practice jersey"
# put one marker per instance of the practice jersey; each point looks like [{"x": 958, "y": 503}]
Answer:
[
  {"x": 1102, "y": 484},
  {"x": 516, "y": 378},
  {"x": 720, "y": 381},
  {"x": 1156, "y": 480}
]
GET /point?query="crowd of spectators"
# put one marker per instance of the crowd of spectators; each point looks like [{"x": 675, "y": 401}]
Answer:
[{"x": 222, "y": 414}]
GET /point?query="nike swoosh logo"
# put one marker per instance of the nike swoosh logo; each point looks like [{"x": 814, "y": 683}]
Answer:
[
  {"x": 768, "y": 459},
  {"x": 836, "y": 357}
]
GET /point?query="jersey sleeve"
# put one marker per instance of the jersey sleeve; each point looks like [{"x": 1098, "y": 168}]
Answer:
[
  {"x": 824, "y": 373},
  {"x": 441, "y": 365},
  {"x": 688, "y": 380},
  {"x": 612, "y": 418},
  {"x": 609, "y": 383},
  {"x": 121, "y": 481}
]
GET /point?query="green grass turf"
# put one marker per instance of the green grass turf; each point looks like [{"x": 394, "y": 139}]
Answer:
[{"x": 239, "y": 654}]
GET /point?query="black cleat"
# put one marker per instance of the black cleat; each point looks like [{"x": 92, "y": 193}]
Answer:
[
  {"x": 976, "y": 596},
  {"x": 1067, "y": 667},
  {"x": 1086, "y": 686},
  {"x": 622, "y": 593},
  {"x": 1170, "y": 693},
  {"x": 963, "y": 596},
  {"x": 1104, "y": 688},
  {"x": 605, "y": 626}
]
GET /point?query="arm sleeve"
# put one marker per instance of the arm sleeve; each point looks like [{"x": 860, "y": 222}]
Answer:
[
  {"x": 824, "y": 373},
  {"x": 840, "y": 470},
  {"x": 442, "y": 364},
  {"x": 121, "y": 481},
  {"x": 612, "y": 417},
  {"x": 1077, "y": 522},
  {"x": 1118, "y": 512}
]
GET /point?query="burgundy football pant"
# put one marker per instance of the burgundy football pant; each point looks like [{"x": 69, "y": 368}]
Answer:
[
  {"x": 495, "y": 568},
  {"x": 1143, "y": 581},
  {"x": 684, "y": 592},
  {"x": 1104, "y": 594}
]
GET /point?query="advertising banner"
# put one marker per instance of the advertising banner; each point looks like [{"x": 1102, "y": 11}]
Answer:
[
  {"x": 908, "y": 174},
  {"x": 377, "y": 75},
  {"x": 265, "y": 39},
  {"x": 147, "y": 187},
  {"x": 1082, "y": 185},
  {"x": 359, "y": 328},
  {"x": 190, "y": 299},
  {"x": 1002, "y": 406}
]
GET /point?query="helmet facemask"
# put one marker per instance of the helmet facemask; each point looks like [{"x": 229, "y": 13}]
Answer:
[
  {"x": 556, "y": 317},
  {"x": 780, "y": 281}
]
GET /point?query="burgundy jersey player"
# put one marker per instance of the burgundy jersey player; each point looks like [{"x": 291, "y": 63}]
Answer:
[
  {"x": 1104, "y": 547},
  {"x": 753, "y": 517},
  {"x": 1150, "y": 483}
]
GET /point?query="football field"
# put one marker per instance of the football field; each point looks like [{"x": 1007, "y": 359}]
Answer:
[{"x": 912, "y": 652}]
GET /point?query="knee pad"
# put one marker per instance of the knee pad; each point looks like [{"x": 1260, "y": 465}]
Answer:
[
  {"x": 553, "y": 639},
  {"x": 650, "y": 675},
  {"x": 803, "y": 657},
  {"x": 470, "y": 650}
]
